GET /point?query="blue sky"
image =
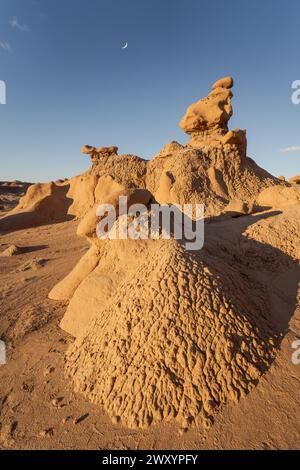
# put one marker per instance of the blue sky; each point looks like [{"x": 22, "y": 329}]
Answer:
[{"x": 69, "y": 82}]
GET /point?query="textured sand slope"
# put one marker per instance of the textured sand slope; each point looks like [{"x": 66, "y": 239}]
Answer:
[{"x": 182, "y": 333}]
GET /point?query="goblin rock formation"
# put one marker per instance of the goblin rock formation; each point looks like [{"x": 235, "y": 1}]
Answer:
[
  {"x": 212, "y": 169},
  {"x": 162, "y": 333},
  {"x": 207, "y": 120},
  {"x": 95, "y": 153}
]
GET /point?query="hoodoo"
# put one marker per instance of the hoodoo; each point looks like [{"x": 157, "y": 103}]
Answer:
[
  {"x": 163, "y": 333},
  {"x": 207, "y": 120}
]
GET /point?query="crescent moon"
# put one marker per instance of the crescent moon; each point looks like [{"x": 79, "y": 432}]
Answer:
[{"x": 126, "y": 45}]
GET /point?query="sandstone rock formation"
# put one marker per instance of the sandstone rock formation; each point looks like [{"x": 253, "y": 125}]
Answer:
[
  {"x": 213, "y": 169},
  {"x": 42, "y": 204},
  {"x": 163, "y": 333},
  {"x": 166, "y": 334},
  {"x": 207, "y": 120},
  {"x": 12, "y": 250},
  {"x": 174, "y": 336},
  {"x": 98, "y": 152},
  {"x": 169, "y": 334},
  {"x": 295, "y": 179}
]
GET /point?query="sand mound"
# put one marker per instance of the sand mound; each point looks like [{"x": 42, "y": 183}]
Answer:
[
  {"x": 28, "y": 320},
  {"x": 279, "y": 196},
  {"x": 178, "y": 337},
  {"x": 237, "y": 207},
  {"x": 295, "y": 179},
  {"x": 169, "y": 334},
  {"x": 270, "y": 232},
  {"x": 42, "y": 204},
  {"x": 65, "y": 289}
]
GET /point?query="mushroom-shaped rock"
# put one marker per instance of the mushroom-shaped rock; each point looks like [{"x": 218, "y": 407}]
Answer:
[
  {"x": 96, "y": 152},
  {"x": 209, "y": 115},
  {"x": 206, "y": 121},
  {"x": 107, "y": 150}
]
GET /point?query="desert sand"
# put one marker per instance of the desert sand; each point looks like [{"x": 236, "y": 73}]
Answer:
[{"x": 141, "y": 344}]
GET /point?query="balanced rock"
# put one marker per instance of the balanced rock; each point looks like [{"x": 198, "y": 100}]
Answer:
[
  {"x": 206, "y": 121},
  {"x": 96, "y": 152}
]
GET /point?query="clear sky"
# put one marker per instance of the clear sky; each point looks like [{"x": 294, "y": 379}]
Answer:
[{"x": 69, "y": 82}]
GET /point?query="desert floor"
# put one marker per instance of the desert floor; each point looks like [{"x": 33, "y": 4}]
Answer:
[{"x": 38, "y": 408}]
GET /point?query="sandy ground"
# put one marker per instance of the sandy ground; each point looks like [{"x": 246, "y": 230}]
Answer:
[{"x": 38, "y": 408}]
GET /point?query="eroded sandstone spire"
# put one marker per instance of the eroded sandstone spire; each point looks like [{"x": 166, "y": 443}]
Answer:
[{"x": 206, "y": 121}]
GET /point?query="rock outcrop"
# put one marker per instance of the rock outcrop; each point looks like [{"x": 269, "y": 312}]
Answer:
[
  {"x": 97, "y": 152},
  {"x": 162, "y": 333},
  {"x": 212, "y": 169},
  {"x": 12, "y": 250},
  {"x": 206, "y": 121},
  {"x": 42, "y": 204},
  {"x": 295, "y": 179}
]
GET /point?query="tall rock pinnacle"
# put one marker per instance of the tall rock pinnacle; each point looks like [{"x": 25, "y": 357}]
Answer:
[{"x": 206, "y": 121}]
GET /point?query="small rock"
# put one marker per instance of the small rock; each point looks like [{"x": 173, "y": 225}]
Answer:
[
  {"x": 116, "y": 419},
  {"x": 183, "y": 431},
  {"x": 66, "y": 419},
  {"x": 12, "y": 250},
  {"x": 237, "y": 208},
  {"x": 46, "y": 433},
  {"x": 48, "y": 370},
  {"x": 80, "y": 419}
]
